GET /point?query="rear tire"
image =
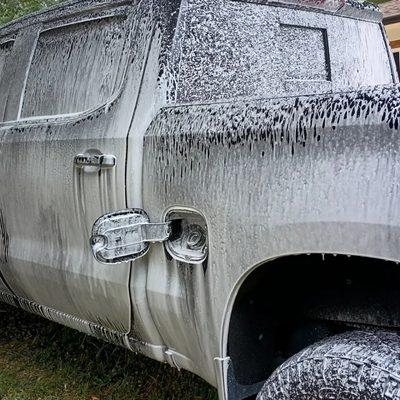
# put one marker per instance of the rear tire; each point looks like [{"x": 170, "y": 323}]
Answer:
[{"x": 352, "y": 366}]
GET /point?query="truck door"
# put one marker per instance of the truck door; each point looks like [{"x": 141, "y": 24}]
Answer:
[{"x": 66, "y": 101}]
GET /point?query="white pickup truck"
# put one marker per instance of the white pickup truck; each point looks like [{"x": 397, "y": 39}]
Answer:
[{"x": 212, "y": 183}]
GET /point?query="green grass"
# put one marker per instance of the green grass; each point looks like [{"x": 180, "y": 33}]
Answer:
[
  {"x": 40, "y": 360},
  {"x": 12, "y": 9}
]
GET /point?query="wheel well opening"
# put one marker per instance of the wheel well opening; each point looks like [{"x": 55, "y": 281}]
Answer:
[{"x": 292, "y": 302}]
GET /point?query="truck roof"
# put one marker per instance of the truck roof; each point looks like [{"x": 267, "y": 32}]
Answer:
[{"x": 360, "y": 9}]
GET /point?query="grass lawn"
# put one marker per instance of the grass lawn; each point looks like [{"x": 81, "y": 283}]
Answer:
[
  {"x": 11, "y": 9},
  {"x": 40, "y": 360}
]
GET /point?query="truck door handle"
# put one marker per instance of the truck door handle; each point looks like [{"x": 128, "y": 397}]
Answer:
[{"x": 101, "y": 161}]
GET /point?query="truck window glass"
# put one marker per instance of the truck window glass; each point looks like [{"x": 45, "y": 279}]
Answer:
[
  {"x": 75, "y": 68},
  {"x": 5, "y": 50},
  {"x": 222, "y": 55},
  {"x": 297, "y": 44}
]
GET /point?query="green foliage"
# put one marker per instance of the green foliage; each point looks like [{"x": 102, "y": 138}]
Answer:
[{"x": 12, "y": 9}]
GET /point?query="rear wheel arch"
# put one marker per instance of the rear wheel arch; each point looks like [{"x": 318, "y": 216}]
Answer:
[{"x": 273, "y": 312}]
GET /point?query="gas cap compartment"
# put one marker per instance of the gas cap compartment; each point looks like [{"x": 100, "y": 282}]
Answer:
[{"x": 189, "y": 239}]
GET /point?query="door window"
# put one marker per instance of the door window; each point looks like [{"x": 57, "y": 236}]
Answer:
[
  {"x": 5, "y": 50},
  {"x": 75, "y": 68}
]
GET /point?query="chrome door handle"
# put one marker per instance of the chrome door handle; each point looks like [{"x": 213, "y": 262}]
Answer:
[{"x": 102, "y": 161}]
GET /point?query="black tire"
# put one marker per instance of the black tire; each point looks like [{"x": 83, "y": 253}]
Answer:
[{"x": 352, "y": 366}]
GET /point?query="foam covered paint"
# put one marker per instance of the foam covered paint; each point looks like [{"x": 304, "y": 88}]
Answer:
[{"x": 205, "y": 108}]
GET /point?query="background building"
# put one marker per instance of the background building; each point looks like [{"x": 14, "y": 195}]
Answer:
[{"x": 391, "y": 13}]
